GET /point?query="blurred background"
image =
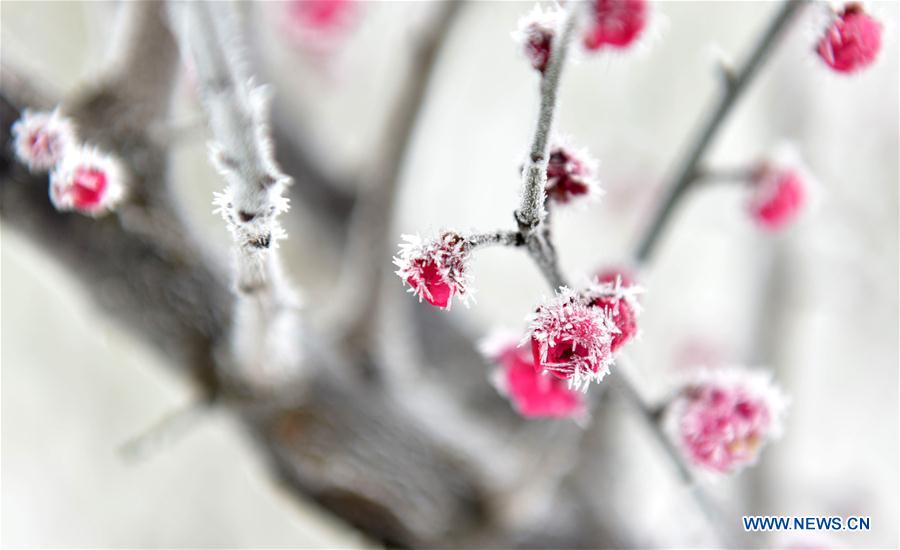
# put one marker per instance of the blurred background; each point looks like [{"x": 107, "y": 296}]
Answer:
[{"x": 817, "y": 302}]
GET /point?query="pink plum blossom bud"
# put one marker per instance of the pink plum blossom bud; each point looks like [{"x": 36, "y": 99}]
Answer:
[
  {"x": 319, "y": 24},
  {"x": 572, "y": 340},
  {"x": 851, "y": 41},
  {"x": 435, "y": 270},
  {"x": 87, "y": 181},
  {"x": 571, "y": 173},
  {"x": 780, "y": 187},
  {"x": 535, "y": 35},
  {"x": 532, "y": 393},
  {"x": 722, "y": 418},
  {"x": 615, "y": 23},
  {"x": 41, "y": 138},
  {"x": 616, "y": 294}
]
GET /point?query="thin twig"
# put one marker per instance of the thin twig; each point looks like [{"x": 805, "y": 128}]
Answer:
[
  {"x": 531, "y": 212},
  {"x": 687, "y": 171}
]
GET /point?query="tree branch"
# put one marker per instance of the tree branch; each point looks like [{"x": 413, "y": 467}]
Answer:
[
  {"x": 264, "y": 337},
  {"x": 735, "y": 87}
]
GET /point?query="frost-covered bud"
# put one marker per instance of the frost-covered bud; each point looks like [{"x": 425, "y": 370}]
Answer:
[
  {"x": 615, "y": 23},
  {"x": 571, "y": 173},
  {"x": 88, "y": 181},
  {"x": 535, "y": 35},
  {"x": 722, "y": 418},
  {"x": 318, "y": 24},
  {"x": 780, "y": 187},
  {"x": 533, "y": 394},
  {"x": 616, "y": 293},
  {"x": 42, "y": 138},
  {"x": 851, "y": 41},
  {"x": 435, "y": 270},
  {"x": 572, "y": 340}
]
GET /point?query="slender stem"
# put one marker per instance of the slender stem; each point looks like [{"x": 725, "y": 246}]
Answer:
[
  {"x": 503, "y": 238},
  {"x": 687, "y": 171},
  {"x": 531, "y": 212}
]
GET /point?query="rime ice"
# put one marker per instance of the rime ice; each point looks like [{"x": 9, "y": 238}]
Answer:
[
  {"x": 616, "y": 293},
  {"x": 615, "y": 23},
  {"x": 572, "y": 340},
  {"x": 852, "y": 41},
  {"x": 535, "y": 34},
  {"x": 41, "y": 138},
  {"x": 570, "y": 173},
  {"x": 532, "y": 393},
  {"x": 722, "y": 418},
  {"x": 435, "y": 270},
  {"x": 87, "y": 181}
]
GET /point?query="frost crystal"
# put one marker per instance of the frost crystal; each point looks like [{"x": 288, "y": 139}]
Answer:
[
  {"x": 616, "y": 294},
  {"x": 852, "y": 40},
  {"x": 253, "y": 199},
  {"x": 435, "y": 270},
  {"x": 572, "y": 340},
  {"x": 42, "y": 138},
  {"x": 615, "y": 23},
  {"x": 571, "y": 173},
  {"x": 87, "y": 181},
  {"x": 535, "y": 35},
  {"x": 722, "y": 418},
  {"x": 533, "y": 394},
  {"x": 780, "y": 189}
]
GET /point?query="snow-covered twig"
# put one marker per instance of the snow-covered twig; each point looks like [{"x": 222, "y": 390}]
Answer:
[
  {"x": 531, "y": 212},
  {"x": 264, "y": 336}
]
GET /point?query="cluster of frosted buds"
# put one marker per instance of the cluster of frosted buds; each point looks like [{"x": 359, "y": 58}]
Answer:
[
  {"x": 779, "y": 189},
  {"x": 571, "y": 173},
  {"x": 571, "y": 339},
  {"x": 615, "y": 23},
  {"x": 436, "y": 269},
  {"x": 42, "y": 138},
  {"x": 535, "y": 34},
  {"x": 615, "y": 292},
  {"x": 87, "y": 181},
  {"x": 851, "y": 41},
  {"x": 533, "y": 393},
  {"x": 722, "y": 418}
]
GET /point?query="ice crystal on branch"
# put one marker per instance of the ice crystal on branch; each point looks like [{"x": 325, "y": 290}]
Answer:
[
  {"x": 87, "y": 181},
  {"x": 253, "y": 199},
  {"x": 533, "y": 393},
  {"x": 780, "y": 187},
  {"x": 616, "y": 294},
  {"x": 42, "y": 138},
  {"x": 571, "y": 339},
  {"x": 435, "y": 270},
  {"x": 851, "y": 41},
  {"x": 571, "y": 173},
  {"x": 615, "y": 23},
  {"x": 535, "y": 35},
  {"x": 722, "y": 418}
]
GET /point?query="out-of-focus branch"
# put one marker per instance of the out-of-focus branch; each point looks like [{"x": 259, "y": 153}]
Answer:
[
  {"x": 686, "y": 173},
  {"x": 369, "y": 232},
  {"x": 264, "y": 337}
]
